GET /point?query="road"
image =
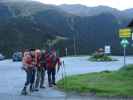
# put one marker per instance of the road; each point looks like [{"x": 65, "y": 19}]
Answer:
[{"x": 13, "y": 78}]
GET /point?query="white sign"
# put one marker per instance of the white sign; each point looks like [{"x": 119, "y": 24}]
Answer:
[{"x": 107, "y": 49}]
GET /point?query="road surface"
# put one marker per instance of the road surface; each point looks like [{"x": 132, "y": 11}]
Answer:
[{"x": 13, "y": 78}]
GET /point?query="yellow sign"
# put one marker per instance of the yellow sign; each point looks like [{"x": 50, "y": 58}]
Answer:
[{"x": 125, "y": 33}]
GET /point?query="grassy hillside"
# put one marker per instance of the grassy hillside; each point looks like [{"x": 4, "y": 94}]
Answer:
[{"x": 117, "y": 83}]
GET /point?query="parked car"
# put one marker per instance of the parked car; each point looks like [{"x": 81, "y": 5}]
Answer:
[
  {"x": 17, "y": 56},
  {"x": 2, "y": 57}
]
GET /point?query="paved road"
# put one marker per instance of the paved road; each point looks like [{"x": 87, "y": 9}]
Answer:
[{"x": 12, "y": 78}]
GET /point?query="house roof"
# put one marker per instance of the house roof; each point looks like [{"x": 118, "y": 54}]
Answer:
[{"x": 130, "y": 24}]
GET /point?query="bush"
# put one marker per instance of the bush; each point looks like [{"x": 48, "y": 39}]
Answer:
[{"x": 100, "y": 57}]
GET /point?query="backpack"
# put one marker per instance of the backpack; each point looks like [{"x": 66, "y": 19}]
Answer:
[
  {"x": 43, "y": 60},
  {"x": 53, "y": 60}
]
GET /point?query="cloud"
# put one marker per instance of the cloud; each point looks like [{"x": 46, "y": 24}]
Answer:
[{"x": 15, "y": 0}]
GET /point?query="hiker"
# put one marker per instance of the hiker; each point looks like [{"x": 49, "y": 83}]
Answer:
[
  {"x": 38, "y": 68},
  {"x": 28, "y": 68},
  {"x": 32, "y": 52},
  {"x": 42, "y": 69},
  {"x": 52, "y": 60}
]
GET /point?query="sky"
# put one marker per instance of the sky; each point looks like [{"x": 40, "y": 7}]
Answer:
[{"x": 119, "y": 4}]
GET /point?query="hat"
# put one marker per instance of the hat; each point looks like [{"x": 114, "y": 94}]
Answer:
[{"x": 38, "y": 51}]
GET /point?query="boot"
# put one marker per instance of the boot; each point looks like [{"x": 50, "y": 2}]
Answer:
[
  {"x": 54, "y": 84},
  {"x": 50, "y": 85},
  {"x": 42, "y": 86},
  {"x": 36, "y": 89},
  {"x": 31, "y": 88},
  {"x": 24, "y": 92}
]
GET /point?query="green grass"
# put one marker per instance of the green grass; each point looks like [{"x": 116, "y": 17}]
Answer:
[{"x": 117, "y": 83}]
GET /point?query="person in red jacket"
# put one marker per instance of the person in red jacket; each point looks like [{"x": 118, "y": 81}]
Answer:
[
  {"x": 43, "y": 69},
  {"x": 32, "y": 52},
  {"x": 51, "y": 61},
  {"x": 28, "y": 67}
]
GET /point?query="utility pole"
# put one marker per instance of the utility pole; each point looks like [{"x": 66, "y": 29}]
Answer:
[
  {"x": 77, "y": 43},
  {"x": 74, "y": 45},
  {"x": 66, "y": 50}
]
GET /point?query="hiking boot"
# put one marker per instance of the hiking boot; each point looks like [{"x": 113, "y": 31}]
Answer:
[
  {"x": 54, "y": 83},
  {"x": 36, "y": 89},
  {"x": 50, "y": 85},
  {"x": 31, "y": 89},
  {"x": 42, "y": 87},
  {"x": 24, "y": 92},
  {"x": 29, "y": 93}
]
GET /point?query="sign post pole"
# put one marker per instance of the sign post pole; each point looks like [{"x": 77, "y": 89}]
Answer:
[
  {"x": 124, "y": 56},
  {"x": 124, "y": 44},
  {"x": 124, "y": 34}
]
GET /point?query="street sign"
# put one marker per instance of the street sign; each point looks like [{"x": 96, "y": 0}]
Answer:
[
  {"x": 124, "y": 43},
  {"x": 107, "y": 49},
  {"x": 125, "y": 33}
]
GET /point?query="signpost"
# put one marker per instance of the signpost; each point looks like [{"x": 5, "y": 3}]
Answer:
[
  {"x": 124, "y": 44},
  {"x": 124, "y": 34}
]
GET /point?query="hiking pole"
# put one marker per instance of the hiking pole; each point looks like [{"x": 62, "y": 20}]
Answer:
[
  {"x": 62, "y": 72},
  {"x": 62, "y": 67},
  {"x": 64, "y": 75},
  {"x": 65, "y": 80},
  {"x": 57, "y": 72}
]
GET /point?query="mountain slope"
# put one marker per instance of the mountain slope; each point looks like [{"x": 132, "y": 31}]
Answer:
[
  {"x": 82, "y": 10},
  {"x": 30, "y": 24}
]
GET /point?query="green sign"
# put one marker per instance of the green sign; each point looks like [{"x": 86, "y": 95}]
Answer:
[{"x": 124, "y": 43}]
